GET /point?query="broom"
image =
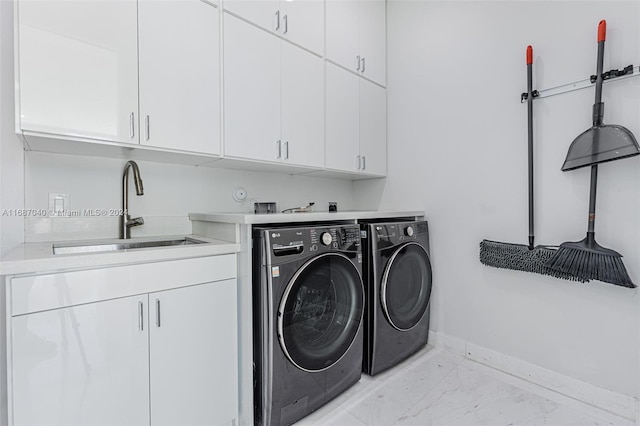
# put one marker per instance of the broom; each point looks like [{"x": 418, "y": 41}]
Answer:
[
  {"x": 521, "y": 257},
  {"x": 586, "y": 259}
]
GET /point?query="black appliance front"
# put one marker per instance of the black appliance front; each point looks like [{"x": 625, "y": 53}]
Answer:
[
  {"x": 308, "y": 300},
  {"x": 398, "y": 280}
]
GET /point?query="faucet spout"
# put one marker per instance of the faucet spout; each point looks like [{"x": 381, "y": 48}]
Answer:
[{"x": 125, "y": 218}]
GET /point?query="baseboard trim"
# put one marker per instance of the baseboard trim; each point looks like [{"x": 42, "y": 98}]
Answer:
[{"x": 604, "y": 399}]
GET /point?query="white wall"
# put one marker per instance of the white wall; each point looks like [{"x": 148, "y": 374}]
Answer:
[
  {"x": 11, "y": 177},
  {"x": 11, "y": 153},
  {"x": 169, "y": 189},
  {"x": 457, "y": 149}
]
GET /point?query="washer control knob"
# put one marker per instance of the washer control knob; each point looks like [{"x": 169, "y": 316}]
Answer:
[
  {"x": 326, "y": 238},
  {"x": 408, "y": 231}
]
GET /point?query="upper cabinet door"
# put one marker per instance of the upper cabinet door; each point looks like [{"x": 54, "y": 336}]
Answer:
[
  {"x": 251, "y": 91},
  {"x": 303, "y": 23},
  {"x": 82, "y": 365},
  {"x": 194, "y": 355},
  {"x": 78, "y": 68},
  {"x": 302, "y": 107},
  {"x": 263, "y": 13},
  {"x": 373, "y": 40},
  {"x": 342, "y": 32},
  {"x": 342, "y": 145},
  {"x": 373, "y": 128},
  {"x": 180, "y": 75}
]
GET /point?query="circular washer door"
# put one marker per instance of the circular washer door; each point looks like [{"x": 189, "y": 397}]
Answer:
[
  {"x": 406, "y": 286},
  {"x": 320, "y": 312}
]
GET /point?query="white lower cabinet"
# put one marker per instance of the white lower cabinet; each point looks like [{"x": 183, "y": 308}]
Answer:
[
  {"x": 167, "y": 357},
  {"x": 83, "y": 365},
  {"x": 193, "y": 360}
]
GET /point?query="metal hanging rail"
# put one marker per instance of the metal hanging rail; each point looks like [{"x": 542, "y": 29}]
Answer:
[{"x": 613, "y": 75}]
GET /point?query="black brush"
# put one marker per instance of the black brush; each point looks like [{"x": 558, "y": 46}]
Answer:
[{"x": 522, "y": 257}]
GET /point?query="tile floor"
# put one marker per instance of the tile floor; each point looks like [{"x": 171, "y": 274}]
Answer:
[{"x": 436, "y": 387}]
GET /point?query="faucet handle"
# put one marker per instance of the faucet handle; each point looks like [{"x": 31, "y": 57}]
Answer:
[{"x": 135, "y": 222}]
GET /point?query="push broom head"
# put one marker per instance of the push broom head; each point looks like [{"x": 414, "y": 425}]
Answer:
[
  {"x": 587, "y": 260},
  {"x": 519, "y": 257}
]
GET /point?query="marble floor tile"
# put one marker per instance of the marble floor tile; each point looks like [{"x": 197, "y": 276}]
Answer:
[
  {"x": 468, "y": 397},
  {"x": 403, "y": 389},
  {"x": 565, "y": 416},
  {"x": 436, "y": 387}
]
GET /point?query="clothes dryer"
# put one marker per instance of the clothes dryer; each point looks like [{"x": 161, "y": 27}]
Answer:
[
  {"x": 308, "y": 301},
  {"x": 398, "y": 280}
]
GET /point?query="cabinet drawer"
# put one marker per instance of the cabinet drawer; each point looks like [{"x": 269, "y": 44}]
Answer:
[{"x": 52, "y": 291}]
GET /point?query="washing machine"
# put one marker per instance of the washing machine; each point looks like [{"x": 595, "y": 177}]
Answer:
[
  {"x": 398, "y": 279},
  {"x": 308, "y": 305}
]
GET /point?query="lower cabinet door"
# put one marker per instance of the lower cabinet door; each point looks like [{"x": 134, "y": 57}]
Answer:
[
  {"x": 83, "y": 365},
  {"x": 194, "y": 355}
]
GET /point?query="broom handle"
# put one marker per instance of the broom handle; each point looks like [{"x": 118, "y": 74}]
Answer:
[
  {"x": 598, "y": 106},
  {"x": 530, "y": 139},
  {"x": 598, "y": 111}
]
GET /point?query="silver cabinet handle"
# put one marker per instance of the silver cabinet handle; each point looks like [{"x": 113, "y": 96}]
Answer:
[
  {"x": 357, "y": 161},
  {"x": 358, "y": 69},
  {"x": 277, "y": 20},
  {"x": 286, "y": 150},
  {"x": 363, "y": 65},
  {"x": 146, "y": 127},
  {"x": 158, "y": 313},
  {"x": 131, "y": 125},
  {"x": 141, "y": 316},
  {"x": 364, "y": 163},
  {"x": 286, "y": 24},
  {"x": 278, "y": 149}
]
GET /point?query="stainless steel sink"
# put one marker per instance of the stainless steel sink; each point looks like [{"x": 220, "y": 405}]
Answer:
[{"x": 118, "y": 245}]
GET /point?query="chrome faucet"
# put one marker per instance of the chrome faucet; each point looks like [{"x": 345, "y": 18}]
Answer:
[{"x": 126, "y": 223}]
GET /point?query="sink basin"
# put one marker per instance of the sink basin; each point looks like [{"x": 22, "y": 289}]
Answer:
[{"x": 118, "y": 245}]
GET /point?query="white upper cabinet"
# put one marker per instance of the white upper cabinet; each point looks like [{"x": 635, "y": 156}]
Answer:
[
  {"x": 356, "y": 139},
  {"x": 179, "y": 75},
  {"x": 343, "y": 33},
  {"x": 251, "y": 91},
  {"x": 299, "y": 21},
  {"x": 302, "y": 107},
  {"x": 303, "y": 23},
  {"x": 373, "y": 128},
  {"x": 373, "y": 40},
  {"x": 342, "y": 128},
  {"x": 264, "y": 13},
  {"x": 78, "y": 68},
  {"x": 273, "y": 98},
  {"x": 356, "y": 36}
]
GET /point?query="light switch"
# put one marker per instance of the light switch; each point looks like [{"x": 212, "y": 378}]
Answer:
[{"x": 58, "y": 204}]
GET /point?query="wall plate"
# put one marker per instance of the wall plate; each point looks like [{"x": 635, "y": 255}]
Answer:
[
  {"x": 58, "y": 204},
  {"x": 239, "y": 194}
]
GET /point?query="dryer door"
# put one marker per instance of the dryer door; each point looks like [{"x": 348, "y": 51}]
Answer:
[
  {"x": 406, "y": 286},
  {"x": 320, "y": 312}
]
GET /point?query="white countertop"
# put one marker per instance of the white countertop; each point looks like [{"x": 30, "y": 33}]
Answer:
[
  {"x": 30, "y": 258},
  {"x": 254, "y": 219}
]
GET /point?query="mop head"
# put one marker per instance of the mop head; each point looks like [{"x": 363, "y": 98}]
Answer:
[
  {"x": 589, "y": 261},
  {"x": 519, "y": 257}
]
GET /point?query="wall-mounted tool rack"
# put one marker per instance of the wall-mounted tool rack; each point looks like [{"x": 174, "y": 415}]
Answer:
[{"x": 612, "y": 75}]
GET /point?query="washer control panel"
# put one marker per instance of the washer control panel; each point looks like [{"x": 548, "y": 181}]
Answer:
[
  {"x": 388, "y": 234},
  {"x": 313, "y": 240}
]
